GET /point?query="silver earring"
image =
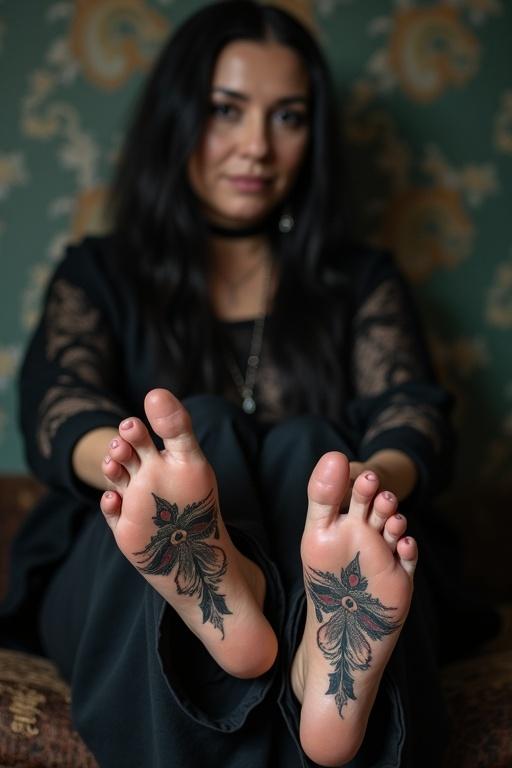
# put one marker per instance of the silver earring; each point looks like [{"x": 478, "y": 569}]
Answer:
[{"x": 286, "y": 223}]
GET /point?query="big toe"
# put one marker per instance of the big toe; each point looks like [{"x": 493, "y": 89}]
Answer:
[
  {"x": 171, "y": 421},
  {"x": 327, "y": 487}
]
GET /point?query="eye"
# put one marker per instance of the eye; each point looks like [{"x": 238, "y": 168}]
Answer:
[
  {"x": 224, "y": 111},
  {"x": 291, "y": 118},
  {"x": 349, "y": 604}
]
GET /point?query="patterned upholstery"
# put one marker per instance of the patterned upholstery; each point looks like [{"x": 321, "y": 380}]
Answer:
[
  {"x": 479, "y": 696},
  {"x": 35, "y": 724}
]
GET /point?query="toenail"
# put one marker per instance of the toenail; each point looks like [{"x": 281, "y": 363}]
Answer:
[
  {"x": 370, "y": 476},
  {"x": 107, "y": 495},
  {"x": 388, "y": 496},
  {"x": 406, "y": 540},
  {"x": 107, "y": 459},
  {"x": 398, "y": 516},
  {"x": 128, "y": 424},
  {"x": 114, "y": 443}
]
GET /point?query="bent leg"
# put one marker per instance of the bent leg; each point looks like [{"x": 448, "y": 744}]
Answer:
[
  {"x": 358, "y": 570},
  {"x": 165, "y": 517},
  {"x": 406, "y": 724},
  {"x": 134, "y": 666}
]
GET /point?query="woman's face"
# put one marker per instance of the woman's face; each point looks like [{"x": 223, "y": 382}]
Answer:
[{"x": 256, "y": 136}]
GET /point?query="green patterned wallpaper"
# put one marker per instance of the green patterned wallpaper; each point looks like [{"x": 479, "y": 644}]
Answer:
[{"x": 426, "y": 92}]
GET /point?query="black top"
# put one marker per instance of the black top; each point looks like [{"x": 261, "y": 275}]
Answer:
[
  {"x": 92, "y": 360},
  {"x": 90, "y": 363}
]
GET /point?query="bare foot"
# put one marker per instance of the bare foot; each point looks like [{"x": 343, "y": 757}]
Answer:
[
  {"x": 164, "y": 513},
  {"x": 358, "y": 573}
]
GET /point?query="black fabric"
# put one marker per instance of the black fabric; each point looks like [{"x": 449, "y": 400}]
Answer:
[
  {"x": 90, "y": 363},
  {"x": 93, "y": 358},
  {"x": 117, "y": 642}
]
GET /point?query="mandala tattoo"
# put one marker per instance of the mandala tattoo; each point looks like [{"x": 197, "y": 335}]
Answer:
[
  {"x": 354, "y": 616},
  {"x": 179, "y": 543}
]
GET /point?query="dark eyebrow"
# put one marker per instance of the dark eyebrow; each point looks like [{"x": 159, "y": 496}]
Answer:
[
  {"x": 299, "y": 98},
  {"x": 230, "y": 93}
]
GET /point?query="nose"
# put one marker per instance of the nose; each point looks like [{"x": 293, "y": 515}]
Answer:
[{"x": 254, "y": 138}]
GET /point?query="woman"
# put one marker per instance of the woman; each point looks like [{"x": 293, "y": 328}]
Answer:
[{"x": 229, "y": 280}]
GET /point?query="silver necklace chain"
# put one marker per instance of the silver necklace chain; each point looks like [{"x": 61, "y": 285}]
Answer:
[{"x": 246, "y": 384}]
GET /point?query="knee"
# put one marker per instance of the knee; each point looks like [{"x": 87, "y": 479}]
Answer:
[
  {"x": 302, "y": 426},
  {"x": 309, "y": 430},
  {"x": 210, "y": 409},
  {"x": 212, "y": 415}
]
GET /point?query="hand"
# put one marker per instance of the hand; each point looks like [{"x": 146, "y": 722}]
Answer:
[{"x": 396, "y": 472}]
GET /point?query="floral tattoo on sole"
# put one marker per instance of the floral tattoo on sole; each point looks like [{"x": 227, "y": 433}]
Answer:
[
  {"x": 179, "y": 543},
  {"x": 354, "y": 617}
]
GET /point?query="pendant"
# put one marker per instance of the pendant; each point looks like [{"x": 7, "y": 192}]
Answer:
[{"x": 248, "y": 404}]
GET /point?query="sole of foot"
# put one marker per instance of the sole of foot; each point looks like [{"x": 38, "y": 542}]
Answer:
[
  {"x": 163, "y": 509},
  {"x": 358, "y": 575}
]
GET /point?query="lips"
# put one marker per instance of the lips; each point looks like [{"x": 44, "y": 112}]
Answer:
[{"x": 249, "y": 184}]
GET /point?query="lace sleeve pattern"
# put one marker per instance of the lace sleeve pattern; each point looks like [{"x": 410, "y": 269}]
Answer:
[
  {"x": 399, "y": 403},
  {"x": 68, "y": 376},
  {"x": 78, "y": 345}
]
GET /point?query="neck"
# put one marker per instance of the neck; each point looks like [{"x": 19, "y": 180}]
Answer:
[
  {"x": 232, "y": 257},
  {"x": 238, "y": 272}
]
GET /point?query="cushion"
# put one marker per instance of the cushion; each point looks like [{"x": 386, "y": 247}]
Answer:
[
  {"x": 36, "y": 730},
  {"x": 479, "y": 697},
  {"x": 35, "y": 723}
]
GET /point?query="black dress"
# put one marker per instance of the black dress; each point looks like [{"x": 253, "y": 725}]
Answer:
[{"x": 144, "y": 691}]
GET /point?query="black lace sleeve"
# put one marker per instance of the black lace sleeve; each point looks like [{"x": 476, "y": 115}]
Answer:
[
  {"x": 68, "y": 378},
  {"x": 398, "y": 403}
]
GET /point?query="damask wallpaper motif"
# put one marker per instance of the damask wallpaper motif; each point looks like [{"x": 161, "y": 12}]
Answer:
[{"x": 426, "y": 95}]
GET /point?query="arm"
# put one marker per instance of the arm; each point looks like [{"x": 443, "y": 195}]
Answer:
[
  {"x": 396, "y": 470},
  {"x": 401, "y": 411},
  {"x": 69, "y": 399}
]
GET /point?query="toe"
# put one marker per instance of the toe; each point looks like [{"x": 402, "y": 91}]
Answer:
[
  {"x": 365, "y": 488},
  {"x": 122, "y": 452},
  {"x": 115, "y": 473},
  {"x": 395, "y": 528},
  {"x": 135, "y": 432},
  {"x": 171, "y": 422},
  {"x": 327, "y": 487},
  {"x": 110, "y": 505},
  {"x": 407, "y": 551},
  {"x": 383, "y": 507}
]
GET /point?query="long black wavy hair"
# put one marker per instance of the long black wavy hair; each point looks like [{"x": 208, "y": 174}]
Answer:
[{"x": 161, "y": 237}]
